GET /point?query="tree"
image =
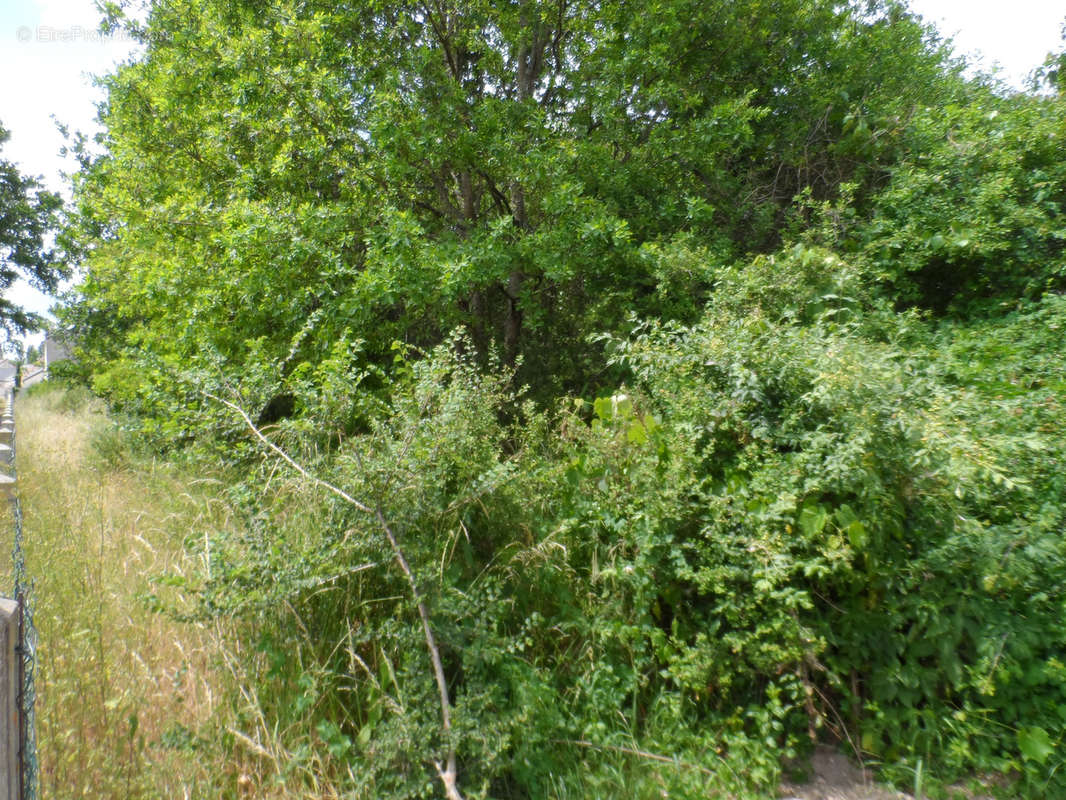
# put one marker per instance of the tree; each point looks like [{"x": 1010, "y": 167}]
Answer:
[
  {"x": 1053, "y": 71},
  {"x": 27, "y": 214},
  {"x": 528, "y": 170}
]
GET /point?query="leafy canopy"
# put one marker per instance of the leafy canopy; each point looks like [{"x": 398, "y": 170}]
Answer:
[{"x": 278, "y": 174}]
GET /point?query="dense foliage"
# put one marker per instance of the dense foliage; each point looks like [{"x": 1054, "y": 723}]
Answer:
[
  {"x": 700, "y": 364},
  {"x": 534, "y": 172}
]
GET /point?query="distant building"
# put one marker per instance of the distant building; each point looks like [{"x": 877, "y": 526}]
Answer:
[{"x": 53, "y": 350}]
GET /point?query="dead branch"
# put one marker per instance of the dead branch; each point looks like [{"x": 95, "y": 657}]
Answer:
[{"x": 447, "y": 773}]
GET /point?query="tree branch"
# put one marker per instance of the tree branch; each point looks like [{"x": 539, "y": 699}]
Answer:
[{"x": 447, "y": 773}]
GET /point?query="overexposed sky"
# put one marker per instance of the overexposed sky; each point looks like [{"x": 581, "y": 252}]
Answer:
[
  {"x": 49, "y": 49},
  {"x": 1016, "y": 34}
]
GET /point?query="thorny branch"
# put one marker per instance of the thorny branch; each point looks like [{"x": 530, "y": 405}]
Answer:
[{"x": 448, "y": 773}]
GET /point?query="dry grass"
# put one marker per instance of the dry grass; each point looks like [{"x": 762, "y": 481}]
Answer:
[{"x": 124, "y": 691}]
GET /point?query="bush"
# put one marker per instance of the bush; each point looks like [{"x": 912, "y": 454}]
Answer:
[
  {"x": 873, "y": 518},
  {"x": 805, "y": 517},
  {"x": 974, "y": 216}
]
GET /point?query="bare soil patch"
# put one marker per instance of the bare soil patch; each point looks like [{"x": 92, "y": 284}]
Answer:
[{"x": 835, "y": 777}]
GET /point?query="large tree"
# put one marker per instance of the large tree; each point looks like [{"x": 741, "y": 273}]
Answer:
[
  {"x": 279, "y": 174},
  {"x": 28, "y": 213}
]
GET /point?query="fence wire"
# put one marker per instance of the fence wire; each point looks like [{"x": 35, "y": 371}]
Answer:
[{"x": 27, "y": 647}]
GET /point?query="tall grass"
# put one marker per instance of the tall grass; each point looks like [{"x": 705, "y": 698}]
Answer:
[
  {"x": 134, "y": 699},
  {"x": 126, "y": 694}
]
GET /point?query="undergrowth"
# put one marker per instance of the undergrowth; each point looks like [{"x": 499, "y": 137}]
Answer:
[{"x": 805, "y": 518}]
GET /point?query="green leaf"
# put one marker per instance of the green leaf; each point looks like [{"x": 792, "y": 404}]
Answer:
[
  {"x": 812, "y": 519},
  {"x": 636, "y": 434},
  {"x": 603, "y": 408},
  {"x": 856, "y": 535},
  {"x": 1035, "y": 743}
]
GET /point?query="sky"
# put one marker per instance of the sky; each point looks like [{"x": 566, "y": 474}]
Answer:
[
  {"x": 1016, "y": 34},
  {"x": 49, "y": 49}
]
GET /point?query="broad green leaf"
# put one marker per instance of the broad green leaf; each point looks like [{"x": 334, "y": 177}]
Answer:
[
  {"x": 856, "y": 535},
  {"x": 603, "y": 408},
  {"x": 1035, "y": 743},
  {"x": 636, "y": 433},
  {"x": 812, "y": 519}
]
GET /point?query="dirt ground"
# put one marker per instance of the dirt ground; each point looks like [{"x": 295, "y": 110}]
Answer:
[{"x": 834, "y": 777}]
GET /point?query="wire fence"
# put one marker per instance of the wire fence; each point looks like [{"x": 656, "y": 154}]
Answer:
[{"x": 27, "y": 645}]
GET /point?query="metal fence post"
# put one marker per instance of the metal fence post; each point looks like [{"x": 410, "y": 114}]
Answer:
[
  {"x": 10, "y": 691},
  {"x": 18, "y": 647}
]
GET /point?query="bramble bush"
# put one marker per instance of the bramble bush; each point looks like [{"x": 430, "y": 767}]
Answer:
[
  {"x": 803, "y": 517},
  {"x": 974, "y": 215}
]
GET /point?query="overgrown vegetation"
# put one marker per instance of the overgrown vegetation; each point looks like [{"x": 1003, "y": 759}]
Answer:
[
  {"x": 124, "y": 693},
  {"x": 685, "y": 378}
]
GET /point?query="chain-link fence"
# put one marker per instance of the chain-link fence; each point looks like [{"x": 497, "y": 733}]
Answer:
[{"x": 27, "y": 640}]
